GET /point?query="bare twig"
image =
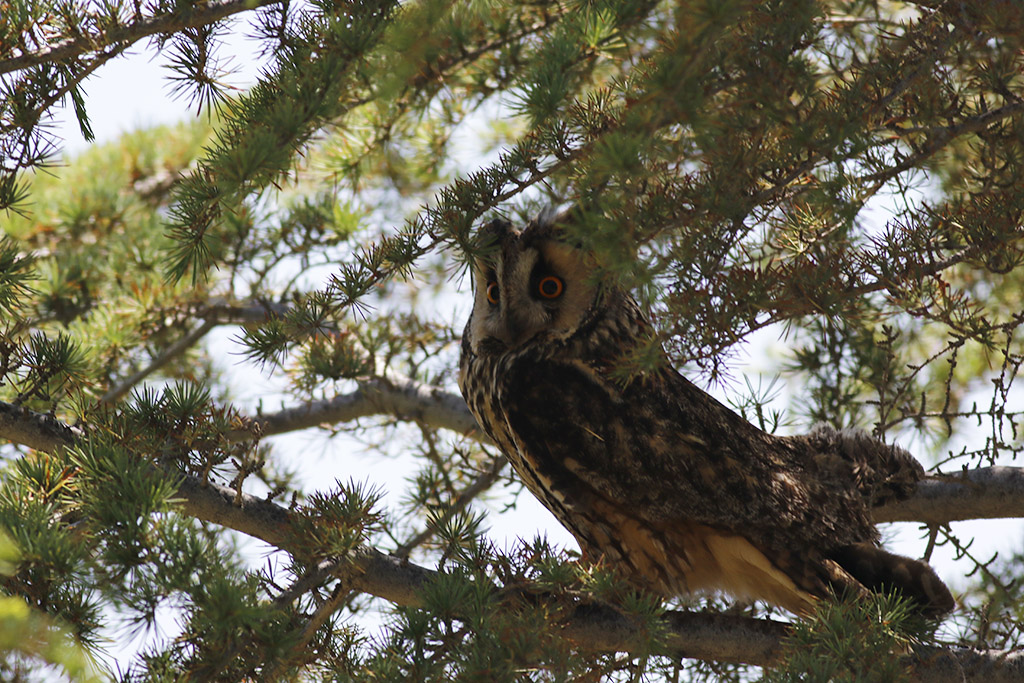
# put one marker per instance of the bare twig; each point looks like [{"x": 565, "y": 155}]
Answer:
[
  {"x": 468, "y": 495},
  {"x": 226, "y": 311},
  {"x": 214, "y": 313}
]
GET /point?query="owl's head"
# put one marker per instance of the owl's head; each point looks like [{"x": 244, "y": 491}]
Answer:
[{"x": 531, "y": 286}]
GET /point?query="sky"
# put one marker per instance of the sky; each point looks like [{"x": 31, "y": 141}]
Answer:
[{"x": 133, "y": 92}]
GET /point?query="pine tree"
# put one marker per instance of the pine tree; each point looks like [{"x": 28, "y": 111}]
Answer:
[{"x": 847, "y": 174}]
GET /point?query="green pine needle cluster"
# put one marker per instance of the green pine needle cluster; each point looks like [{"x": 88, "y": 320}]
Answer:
[{"x": 853, "y": 640}]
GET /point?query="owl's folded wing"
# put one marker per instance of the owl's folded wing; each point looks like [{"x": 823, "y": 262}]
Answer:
[{"x": 668, "y": 452}]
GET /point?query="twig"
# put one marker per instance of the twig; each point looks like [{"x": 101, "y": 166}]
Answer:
[
  {"x": 339, "y": 596},
  {"x": 168, "y": 354},
  {"x": 468, "y": 494}
]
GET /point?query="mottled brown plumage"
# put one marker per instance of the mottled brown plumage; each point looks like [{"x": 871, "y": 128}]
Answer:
[{"x": 665, "y": 482}]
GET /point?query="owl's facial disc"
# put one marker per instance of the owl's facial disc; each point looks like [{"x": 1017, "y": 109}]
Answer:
[{"x": 534, "y": 289}]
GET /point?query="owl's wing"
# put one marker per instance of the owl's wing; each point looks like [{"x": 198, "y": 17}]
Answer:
[{"x": 666, "y": 451}]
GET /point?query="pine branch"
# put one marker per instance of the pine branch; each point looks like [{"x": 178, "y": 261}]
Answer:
[
  {"x": 394, "y": 395},
  {"x": 938, "y": 138},
  {"x": 100, "y": 38},
  {"x": 981, "y": 493},
  {"x": 74, "y": 80},
  {"x": 593, "y": 627}
]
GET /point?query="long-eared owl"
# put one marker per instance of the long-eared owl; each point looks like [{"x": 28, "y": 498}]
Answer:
[{"x": 674, "y": 489}]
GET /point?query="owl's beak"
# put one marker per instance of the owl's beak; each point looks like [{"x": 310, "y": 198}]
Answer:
[
  {"x": 517, "y": 329},
  {"x": 512, "y": 336},
  {"x": 501, "y": 340}
]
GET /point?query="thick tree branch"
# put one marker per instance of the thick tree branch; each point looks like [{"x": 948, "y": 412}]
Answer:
[
  {"x": 717, "y": 637},
  {"x": 593, "y": 627},
  {"x": 35, "y": 430},
  {"x": 394, "y": 395},
  {"x": 982, "y": 493}
]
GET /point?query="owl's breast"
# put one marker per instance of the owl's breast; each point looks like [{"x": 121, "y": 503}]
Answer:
[{"x": 488, "y": 387}]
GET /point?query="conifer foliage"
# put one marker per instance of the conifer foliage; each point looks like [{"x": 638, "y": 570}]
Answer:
[{"x": 846, "y": 175}]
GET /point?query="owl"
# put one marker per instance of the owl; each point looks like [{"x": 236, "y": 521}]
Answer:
[{"x": 673, "y": 489}]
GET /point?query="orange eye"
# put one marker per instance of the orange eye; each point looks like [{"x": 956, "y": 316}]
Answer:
[
  {"x": 492, "y": 292},
  {"x": 550, "y": 287}
]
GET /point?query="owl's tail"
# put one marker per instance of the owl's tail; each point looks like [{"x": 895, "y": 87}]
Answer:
[{"x": 882, "y": 571}]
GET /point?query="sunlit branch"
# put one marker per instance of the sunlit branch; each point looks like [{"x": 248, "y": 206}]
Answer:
[
  {"x": 982, "y": 493},
  {"x": 393, "y": 396}
]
